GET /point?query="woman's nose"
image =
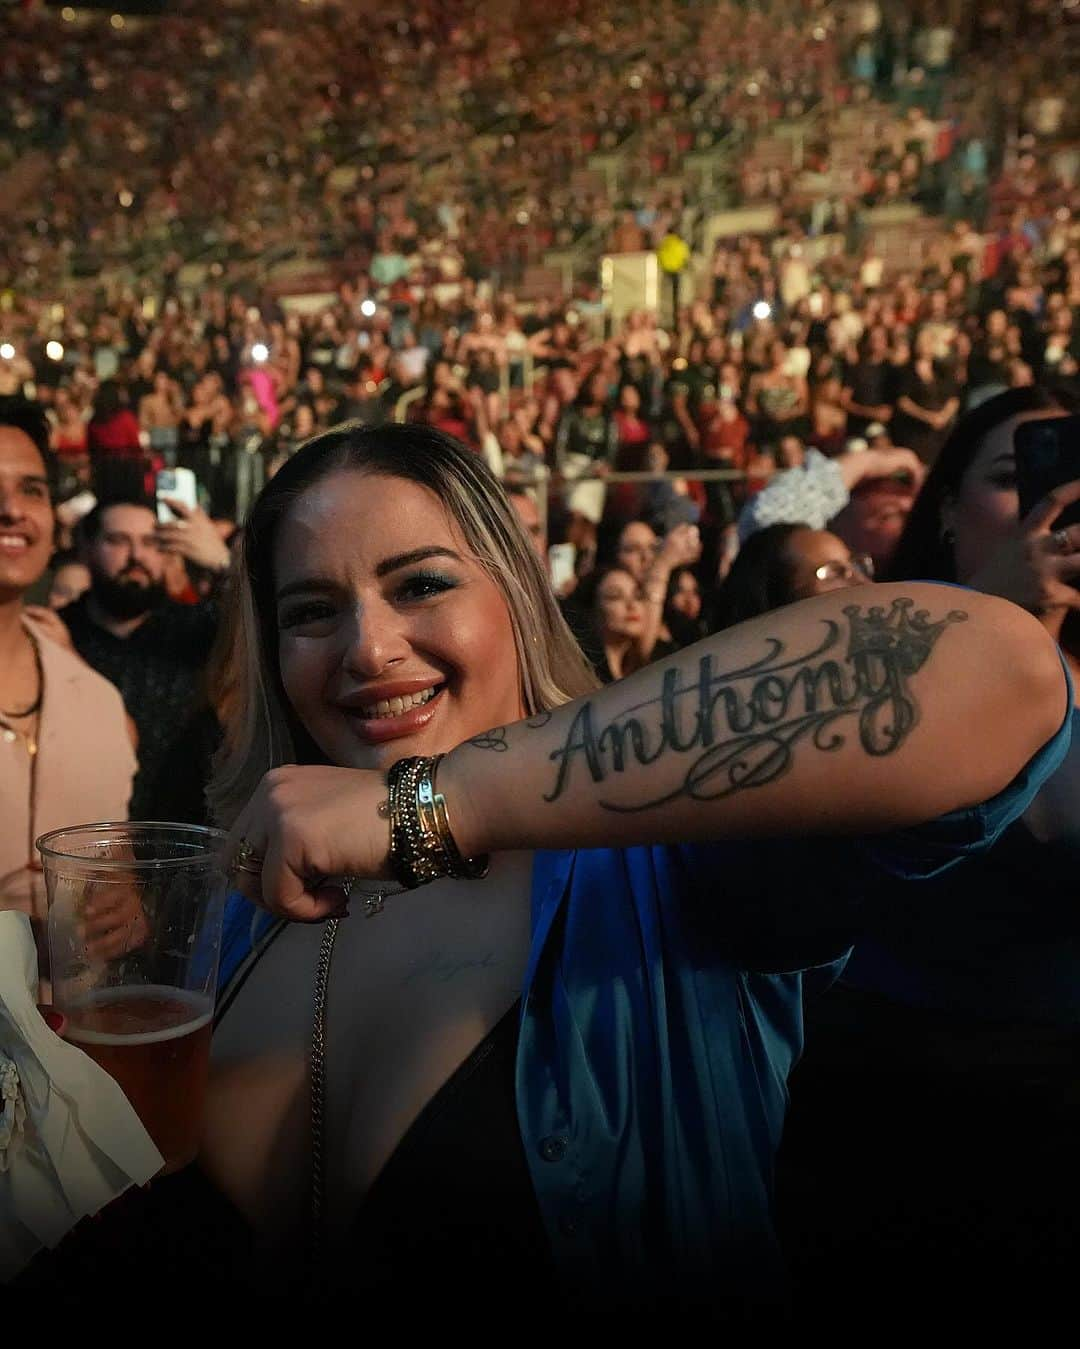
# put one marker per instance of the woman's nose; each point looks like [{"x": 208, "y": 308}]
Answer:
[{"x": 378, "y": 639}]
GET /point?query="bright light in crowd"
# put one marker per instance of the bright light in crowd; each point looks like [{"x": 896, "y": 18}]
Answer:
[
  {"x": 7, "y": 351},
  {"x": 260, "y": 352},
  {"x": 762, "y": 310},
  {"x": 125, "y": 198},
  {"x": 67, "y": 14},
  {"x": 368, "y": 308},
  {"x": 117, "y": 21},
  {"x": 54, "y": 350}
]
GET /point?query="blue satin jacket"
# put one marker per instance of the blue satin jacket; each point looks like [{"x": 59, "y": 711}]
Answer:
[{"x": 661, "y": 1014}]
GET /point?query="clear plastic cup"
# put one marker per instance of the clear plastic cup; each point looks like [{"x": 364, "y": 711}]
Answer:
[{"x": 134, "y": 919}]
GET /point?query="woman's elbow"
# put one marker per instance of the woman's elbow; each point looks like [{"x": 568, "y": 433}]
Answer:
[{"x": 1034, "y": 692}]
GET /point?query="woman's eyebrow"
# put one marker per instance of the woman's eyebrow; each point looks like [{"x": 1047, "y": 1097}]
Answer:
[{"x": 399, "y": 560}]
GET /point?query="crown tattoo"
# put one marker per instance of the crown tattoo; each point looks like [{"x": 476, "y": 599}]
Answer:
[{"x": 904, "y": 635}]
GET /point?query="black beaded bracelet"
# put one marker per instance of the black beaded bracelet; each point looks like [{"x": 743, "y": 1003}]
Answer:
[{"x": 422, "y": 847}]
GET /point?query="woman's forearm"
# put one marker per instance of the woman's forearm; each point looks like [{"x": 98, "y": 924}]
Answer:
[{"x": 855, "y": 712}]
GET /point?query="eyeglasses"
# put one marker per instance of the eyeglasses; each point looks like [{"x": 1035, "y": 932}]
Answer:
[{"x": 860, "y": 568}]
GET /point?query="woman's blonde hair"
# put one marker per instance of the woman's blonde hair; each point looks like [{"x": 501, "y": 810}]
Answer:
[{"x": 260, "y": 729}]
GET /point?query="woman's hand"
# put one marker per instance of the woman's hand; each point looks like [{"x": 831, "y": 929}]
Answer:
[
  {"x": 1037, "y": 567},
  {"x": 310, "y": 824}
]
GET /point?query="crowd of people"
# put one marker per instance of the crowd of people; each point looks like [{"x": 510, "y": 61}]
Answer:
[{"x": 811, "y": 416}]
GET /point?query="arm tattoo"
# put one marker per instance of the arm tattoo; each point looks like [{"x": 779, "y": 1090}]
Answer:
[
  {"x": 741, "y": 726},
  {"x": 495, "y": 739}
]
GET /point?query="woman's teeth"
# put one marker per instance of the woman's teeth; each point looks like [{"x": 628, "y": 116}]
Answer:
[{"x": 394, "y": 707}]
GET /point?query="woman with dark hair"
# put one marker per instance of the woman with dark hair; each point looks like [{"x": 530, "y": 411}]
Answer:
[
  {"x": 784, "y": 563},
  {"x": 950, "y": 1045},
  {"x": 684, "y": 616},
  {"x": 965, "y": 519},
  {"x": 926, "y": 404},
  {"x": 118, "y": 462},
  {"x": 619, "y": 619}
]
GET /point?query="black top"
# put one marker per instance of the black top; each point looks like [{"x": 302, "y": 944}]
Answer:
[
  {"x": 453, "y": 1211},
  {"x": 158, "y": 670},
  {"x": 456, "y": 1201},
  {"x": 872, "y": 384}
]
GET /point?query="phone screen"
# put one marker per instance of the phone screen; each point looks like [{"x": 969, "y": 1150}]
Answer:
[
  {"x": 1047, "y": 456},
  {"x": 561, "y": 558}
]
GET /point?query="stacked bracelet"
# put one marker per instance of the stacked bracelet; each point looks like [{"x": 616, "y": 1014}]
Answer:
[{"x": 422, "y": 847}]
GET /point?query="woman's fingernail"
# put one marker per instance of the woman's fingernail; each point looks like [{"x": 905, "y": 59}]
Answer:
[{"x": 54, "y": 1021}]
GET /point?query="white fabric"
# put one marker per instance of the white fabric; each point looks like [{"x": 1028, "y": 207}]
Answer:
[
  {"x": 70, "y": 1142},
  {"x": 810, "y": 495}
]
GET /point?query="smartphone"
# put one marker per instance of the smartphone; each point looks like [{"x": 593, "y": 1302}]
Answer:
[
  {"x": 561, "y": 558},
  {"x": 1047, "y": 455},
  {"x": 180, "y": 484}
]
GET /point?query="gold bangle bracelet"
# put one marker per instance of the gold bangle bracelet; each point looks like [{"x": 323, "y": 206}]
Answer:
[{"x": 422, "y": 846}]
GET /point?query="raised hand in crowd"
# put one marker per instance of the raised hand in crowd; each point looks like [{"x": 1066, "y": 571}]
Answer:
[{"x": 194, "y": 537}]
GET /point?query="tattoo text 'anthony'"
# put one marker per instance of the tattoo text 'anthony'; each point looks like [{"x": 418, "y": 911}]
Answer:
[{"x": 742, "y": 726}]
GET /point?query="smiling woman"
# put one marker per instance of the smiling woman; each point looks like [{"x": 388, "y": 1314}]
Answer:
[
  {"x": 562, "y": 1054},
  {"x": 336, "y": 607}
]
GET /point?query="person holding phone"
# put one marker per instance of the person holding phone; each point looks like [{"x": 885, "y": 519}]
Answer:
[
  {"x": 153, "y": 649},
  {"x": 966, "y": 524},
  {"x": 950, "y": 1044}
]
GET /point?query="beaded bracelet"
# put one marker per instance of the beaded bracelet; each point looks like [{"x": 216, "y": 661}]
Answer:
[{"x": 422, "y": 847}]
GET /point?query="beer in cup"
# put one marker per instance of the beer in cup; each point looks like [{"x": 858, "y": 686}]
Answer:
[{"x": 134, "y": 920}]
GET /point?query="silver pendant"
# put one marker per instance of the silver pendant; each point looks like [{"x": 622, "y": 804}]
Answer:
[{"x": 374, "y": 901}]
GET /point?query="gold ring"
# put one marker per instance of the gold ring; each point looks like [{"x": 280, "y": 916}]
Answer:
[{"x": 247, "y": 859}]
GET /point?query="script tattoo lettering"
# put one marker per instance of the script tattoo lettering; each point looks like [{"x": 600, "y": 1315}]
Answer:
[{"x": 742, "y": 726}]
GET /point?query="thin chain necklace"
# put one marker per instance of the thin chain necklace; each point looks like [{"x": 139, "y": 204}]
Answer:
[
  {"x": 373, "y": 901},
  {"x": 35, "y": 706}
]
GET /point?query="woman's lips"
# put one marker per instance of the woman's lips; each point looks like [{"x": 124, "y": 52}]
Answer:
[{"x": 377, "y": 730}]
